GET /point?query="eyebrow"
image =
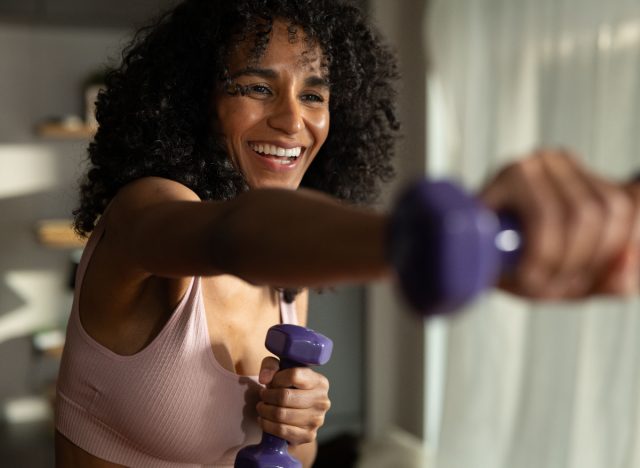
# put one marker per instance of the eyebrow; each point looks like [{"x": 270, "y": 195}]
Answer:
[{"x": 267, "y": 73}]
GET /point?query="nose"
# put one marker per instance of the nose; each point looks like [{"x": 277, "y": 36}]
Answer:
[{"x": 286, "y": 115}]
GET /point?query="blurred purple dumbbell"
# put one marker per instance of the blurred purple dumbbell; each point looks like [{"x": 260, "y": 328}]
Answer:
[
  {"x": 296, "y": 347},
  {"x": 446, "y": 247}
]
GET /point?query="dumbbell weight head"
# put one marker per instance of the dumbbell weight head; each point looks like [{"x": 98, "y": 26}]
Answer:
[
  {"x": 447, "y": 247},
  {"x": 298, "y": 346}
]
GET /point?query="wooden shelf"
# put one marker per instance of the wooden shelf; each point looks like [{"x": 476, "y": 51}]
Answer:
[
  {"x": 65, "y": 132},
  {"x": 58, "y": 234}
]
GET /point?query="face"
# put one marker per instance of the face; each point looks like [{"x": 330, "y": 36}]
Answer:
[{"x": 274, "y": 127}]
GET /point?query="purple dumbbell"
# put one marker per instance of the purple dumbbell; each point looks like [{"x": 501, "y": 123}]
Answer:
[
  {"x": 447, "y": 247},
  {"x": 296, "y": 347}
]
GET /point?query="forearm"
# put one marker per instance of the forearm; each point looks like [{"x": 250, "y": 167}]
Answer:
[
  {"x": 306, "y": 453},
  {"x": 301, "y": 238}
]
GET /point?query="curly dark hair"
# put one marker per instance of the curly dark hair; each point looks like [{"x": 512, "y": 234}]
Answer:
[{"x": 155, "y": 112}]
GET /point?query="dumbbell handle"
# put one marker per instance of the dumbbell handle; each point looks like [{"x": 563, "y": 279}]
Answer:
[
  {"x": 296, "y": 347},
  {"x": 270, "y": 442},
  {"x": 447, "y": 247}
]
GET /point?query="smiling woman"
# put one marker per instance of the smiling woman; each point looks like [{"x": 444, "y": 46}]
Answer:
[
  {"x": 233, "y": 142},
  {"x": 274, "y": 118},
  {"x": 204, "y": 233}
]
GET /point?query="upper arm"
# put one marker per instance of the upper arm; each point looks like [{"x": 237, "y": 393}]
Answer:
[{"x": 156, "y": 226}]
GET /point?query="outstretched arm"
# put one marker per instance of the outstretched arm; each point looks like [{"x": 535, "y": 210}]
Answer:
[{"x": 268, "y": 236}]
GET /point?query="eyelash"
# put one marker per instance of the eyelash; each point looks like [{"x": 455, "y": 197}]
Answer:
[
  {"x": 255, "y": 88},
  {"x": 264, "y": 90},
  {"x": 316, "y": 98}
]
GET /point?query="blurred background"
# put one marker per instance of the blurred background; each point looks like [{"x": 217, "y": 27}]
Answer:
[{"x": 502, "y": 384}]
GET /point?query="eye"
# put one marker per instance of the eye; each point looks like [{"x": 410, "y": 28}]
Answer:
[
  {"x": 258, "y": 90},
  {"x": 312, "y": 98}
]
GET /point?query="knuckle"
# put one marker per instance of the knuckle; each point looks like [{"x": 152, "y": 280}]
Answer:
[
  {"x": 284, "y": 432},
  {"x": 327, "y": 405},
  {"x": 317, "y": 421},
  {"x": 297, "y": 374},
  {"x": 522, "y": 168},
  {"x": 280, "y": 414},
  {"x": 526, "y": 168},
  {"x": 324, "y": 382},
  {"x": 586, "y": 213},
  {"x": 284, "y": 397},
  {"x": 308, "y": 436},
  {"x": 323, "y": 405},
  {"x": 618, "y": 206}
]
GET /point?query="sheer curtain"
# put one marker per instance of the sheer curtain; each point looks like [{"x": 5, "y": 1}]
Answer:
[{"x": 513, "y": 384}]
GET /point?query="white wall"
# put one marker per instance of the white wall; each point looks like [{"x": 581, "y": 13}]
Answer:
[
  {"x": 396, "y": 336},
  {"x": 41, "y": 73}
]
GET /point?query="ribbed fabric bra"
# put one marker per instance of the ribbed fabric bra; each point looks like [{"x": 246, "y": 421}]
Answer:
[{"x": 171, "y": 405}]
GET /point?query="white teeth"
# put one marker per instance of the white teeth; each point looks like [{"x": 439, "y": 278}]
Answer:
[{"x": 277, "y": 151}]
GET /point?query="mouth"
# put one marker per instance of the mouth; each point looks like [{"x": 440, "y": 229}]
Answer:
[{"x": 278, "y": 154}]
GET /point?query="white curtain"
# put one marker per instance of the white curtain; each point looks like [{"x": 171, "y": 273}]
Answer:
[{"x": 514, "y": 384}]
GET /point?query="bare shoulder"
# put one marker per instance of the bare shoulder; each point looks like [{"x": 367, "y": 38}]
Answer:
[
  {"x": 142, "y": 194},
  {"x": 129, "y": 221},
  {"x": 123, "y": 304}
]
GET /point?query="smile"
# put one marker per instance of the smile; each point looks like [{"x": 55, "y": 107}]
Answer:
[{"x": 284, "y": 156}]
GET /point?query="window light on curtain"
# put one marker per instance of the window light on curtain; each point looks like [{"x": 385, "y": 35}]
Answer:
[{"x": 535, "y": 385}]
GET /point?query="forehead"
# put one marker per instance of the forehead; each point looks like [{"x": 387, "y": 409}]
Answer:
[{"x": 283, "y": 44}]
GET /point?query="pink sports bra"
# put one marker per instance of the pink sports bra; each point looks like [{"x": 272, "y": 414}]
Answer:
[{"x": 171, "y": 405}]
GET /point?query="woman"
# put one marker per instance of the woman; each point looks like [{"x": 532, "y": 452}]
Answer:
[
  {"x": 220, "y": 101},
  {"x": 200, "y": 241}
]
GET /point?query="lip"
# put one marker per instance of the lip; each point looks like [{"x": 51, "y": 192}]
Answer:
[{"x": 281, "y": 144}]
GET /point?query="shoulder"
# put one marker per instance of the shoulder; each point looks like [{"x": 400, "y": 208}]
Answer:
[
  {"x": 137, "y": 197},
  {"x": 152, "y": 190}
]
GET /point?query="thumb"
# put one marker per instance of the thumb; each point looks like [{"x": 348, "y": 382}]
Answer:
[{"x": 268, "y": 369}]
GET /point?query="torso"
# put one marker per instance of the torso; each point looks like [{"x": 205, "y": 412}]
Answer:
[{"x": 238, "y": 316}]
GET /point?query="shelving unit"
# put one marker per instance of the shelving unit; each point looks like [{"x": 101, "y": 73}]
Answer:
[
  {"x": 65, "y": 132},
  {"x": 58, "y": 234}
]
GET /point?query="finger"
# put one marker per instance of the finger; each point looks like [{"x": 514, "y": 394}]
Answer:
[
  {"x": 293, "y": 397},
  {"x": 304, "y": 418},
  {"x": 582, "y": 210},
  {"x": 623, "y": 277},
  {"x": 268, "y": 370},
  {"x": 616, "y": 232},
  {"x": 300, "y": 377},
  {"x": 524, "y": 189},
  {"x": 292, "y": 434}
]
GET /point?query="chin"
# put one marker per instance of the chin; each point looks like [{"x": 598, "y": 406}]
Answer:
[{"x": 279, "y": 184}]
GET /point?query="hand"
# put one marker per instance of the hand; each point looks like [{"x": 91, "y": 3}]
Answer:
[
  {"x": 293, "y": 403},
  {"x": 581, "y": 231},
  {"x": 624, "y": 275}
]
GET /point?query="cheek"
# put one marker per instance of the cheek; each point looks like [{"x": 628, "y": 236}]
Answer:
[
  {"x": 234, "y": 117},
  {"x": 320, "y": 125}
]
